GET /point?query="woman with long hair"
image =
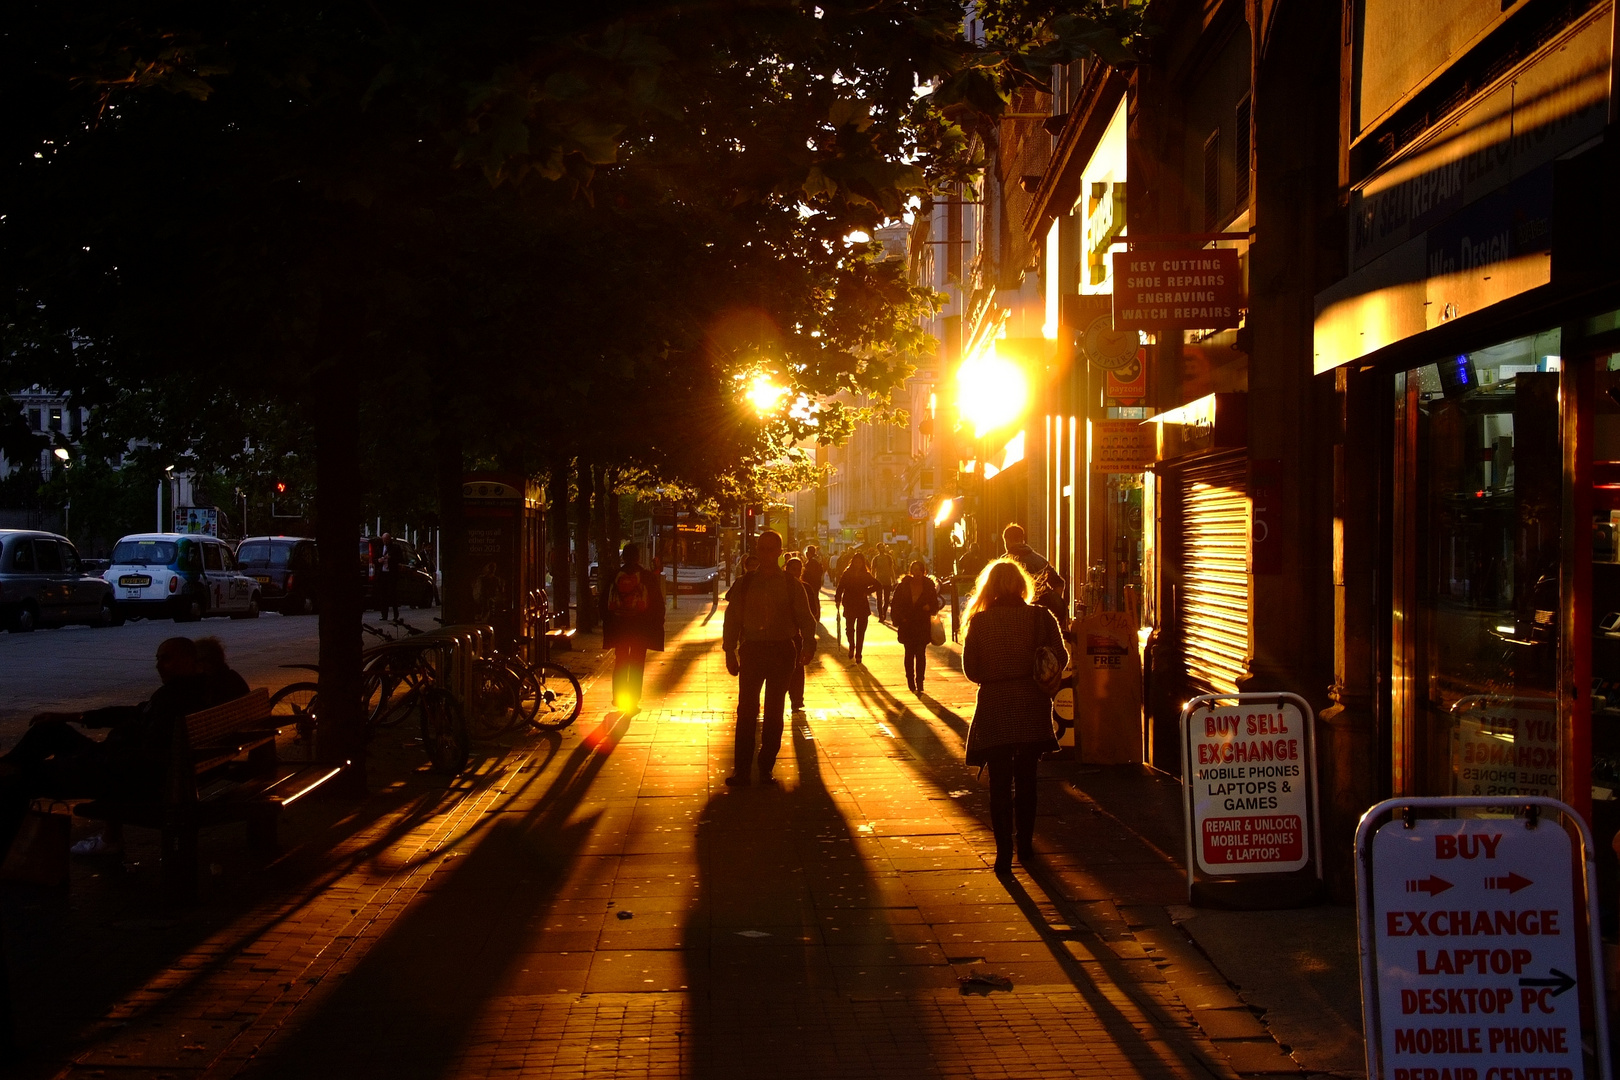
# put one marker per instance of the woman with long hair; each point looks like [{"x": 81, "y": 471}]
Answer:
[
  {"x": 1012, "y": 715},
  {"x": 915, "y": 600},
  {"x": 855, "y": 588}
]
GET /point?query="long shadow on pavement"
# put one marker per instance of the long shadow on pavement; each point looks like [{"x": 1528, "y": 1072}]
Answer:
[
  {"x": 791, "y": 930},
  {"x": 410, "y": 1005}
]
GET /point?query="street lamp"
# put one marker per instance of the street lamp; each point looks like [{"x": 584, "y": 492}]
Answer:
[
  {"x": 168, "y": 474},
  {"x": 62, "y": 455}
]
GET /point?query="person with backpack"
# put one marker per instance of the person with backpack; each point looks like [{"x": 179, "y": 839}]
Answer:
[
  {"x": 1049, "y": 589},
  {"x": 768, "y": 628},
  {"x": 1012, "y": 650},
  {"x": 634, "y": 624}
]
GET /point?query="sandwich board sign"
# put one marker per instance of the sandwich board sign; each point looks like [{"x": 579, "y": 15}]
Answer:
[
  {"x": 1471, "y": 939},
  {"x": 1249, "y": 785}
]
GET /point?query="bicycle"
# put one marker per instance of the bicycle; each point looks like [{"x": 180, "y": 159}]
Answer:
[{"x": 398, "y": 678}]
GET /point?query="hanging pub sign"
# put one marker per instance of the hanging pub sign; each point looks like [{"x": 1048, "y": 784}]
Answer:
[
  {"x": 1249, "y": 786},
  {"x": 1472, "y": 933},
  {"x": 1190, "y": 289}
]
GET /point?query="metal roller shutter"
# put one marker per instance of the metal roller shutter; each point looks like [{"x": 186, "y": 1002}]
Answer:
[{"x": 1214, "y": 604}]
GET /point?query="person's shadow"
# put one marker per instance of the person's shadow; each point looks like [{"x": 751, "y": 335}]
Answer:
[{"x": 788, "y": 930}]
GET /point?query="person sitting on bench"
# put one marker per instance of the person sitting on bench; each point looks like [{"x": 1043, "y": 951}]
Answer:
[
  {"x": 224, "y": 683},
  {"x": 53, "y": 758}
]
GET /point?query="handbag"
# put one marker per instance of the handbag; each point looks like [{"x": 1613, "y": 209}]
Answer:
[
  {"x": 1049, "y": 663},
  {"x": 936, "y": 629},
  {"x": 39, "y": 852}
]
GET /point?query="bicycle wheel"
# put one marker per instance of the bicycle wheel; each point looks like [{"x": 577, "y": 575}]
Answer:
[
  {"x": 530, "y": 692},
  {"x": 296, "y": 704},
  {"x": 495, "y": 708},
  {"x": 391, "y": 689},
  {"x": 560, "y": 697},
  {"x": 444, "y": 730}
]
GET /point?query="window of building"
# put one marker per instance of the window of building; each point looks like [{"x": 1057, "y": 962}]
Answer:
[
  {"x": 1480, "y": 462},
  {"x": 1212, "y": 180},
  {"x": 56, "y": 421}
]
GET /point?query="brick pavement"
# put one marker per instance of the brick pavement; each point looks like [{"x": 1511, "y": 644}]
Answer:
[{"x": 600, "y": 905}]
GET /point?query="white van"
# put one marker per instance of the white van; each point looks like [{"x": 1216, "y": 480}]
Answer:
[{"x": 185, "y": 576}]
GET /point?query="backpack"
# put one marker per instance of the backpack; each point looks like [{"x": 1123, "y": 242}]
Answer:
[
  {"x": 629, "y": 595},
  {"x": 1051, "y": 591}
]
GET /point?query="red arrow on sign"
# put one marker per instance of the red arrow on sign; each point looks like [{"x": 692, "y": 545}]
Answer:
[
  {"x": 1432, "y": 885},
  {"x": 1512, "y": 883}
]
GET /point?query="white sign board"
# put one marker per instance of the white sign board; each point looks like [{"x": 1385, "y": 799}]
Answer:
[
  {"x": 1248, "y": 787},
  {"x": 1475, "y": 932}
]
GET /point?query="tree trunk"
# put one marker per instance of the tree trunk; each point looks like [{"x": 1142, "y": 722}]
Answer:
[
  {"x": 607, "y": 554},
  {"x": 582, "y": 546},
  {"x": 615, "y": 524},
  {"x": 557, "y": 534},
  {"x": 456, "y": 591},
  {"x": 340, "y": 734}
]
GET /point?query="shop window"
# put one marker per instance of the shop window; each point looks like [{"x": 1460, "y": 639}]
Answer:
[{"x": 1478, "y": 625}]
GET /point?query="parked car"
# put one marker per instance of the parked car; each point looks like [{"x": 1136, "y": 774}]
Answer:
[
  {"x": 183, "y": 576},
  {"x": 284, "y": 567},
  {"x": 415, "y": 582},
  {"x": 43, "y": 583}
]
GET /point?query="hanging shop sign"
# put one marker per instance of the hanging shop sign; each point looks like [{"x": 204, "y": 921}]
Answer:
[
  {"x": 1471, "y": 933},
  {"x": 1249, "y": 785},
  {"x": 1128, "y": 385},
  {"x": 1122, "y": 446},
  {"x": 1195, "y": 289}
]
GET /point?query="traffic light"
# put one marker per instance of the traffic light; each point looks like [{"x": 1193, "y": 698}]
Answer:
[{"x": 281, "y": 487}]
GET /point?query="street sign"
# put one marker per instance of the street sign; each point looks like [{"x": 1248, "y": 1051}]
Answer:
[
  {"x": 1471, "y": 939},
  {"x": 1249, "y": 785},
  {"x": 917, "y": 509}
]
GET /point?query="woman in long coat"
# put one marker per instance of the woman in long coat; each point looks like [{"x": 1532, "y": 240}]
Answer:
[
  {"x": 632, "y": 624},
  {"x": 855, "y": 588},
  {"x": 915, "y": 600},
  {"x": 1012, "y": 716}
]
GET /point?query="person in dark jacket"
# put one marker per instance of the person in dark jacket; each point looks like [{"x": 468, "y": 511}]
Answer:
[
  {"x": 55, "y": 758},
  {"x": 915, "y": 600},
  {"x": 633, "y": 623},
  {"x": 385, "y": 565},
  {"x": 768, "y": 628},
  {"x": 855, "y": 588},
  {"x": 1012, "y": 715},
  {"x": 815, "y": 575},
  {"x": 224, "y": 683},
  {"x": 795, "y": 570}
]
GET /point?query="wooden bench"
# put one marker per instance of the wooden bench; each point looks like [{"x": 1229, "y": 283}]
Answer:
[{"x": 223, "y": 769}]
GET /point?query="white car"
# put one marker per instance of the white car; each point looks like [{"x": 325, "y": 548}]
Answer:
[{"x": 185, "y": 576}]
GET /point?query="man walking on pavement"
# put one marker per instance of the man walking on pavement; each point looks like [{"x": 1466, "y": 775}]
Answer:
[
  {"x": 765, "y": 612},
  {"x": 1019, "y": 551},
  {"x": 815, "y": 574},
  {"x": 883, "y": 570}
]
